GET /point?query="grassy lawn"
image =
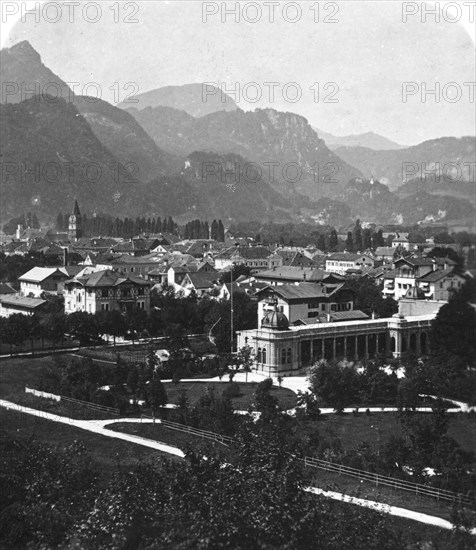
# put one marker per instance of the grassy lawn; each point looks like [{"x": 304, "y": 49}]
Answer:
[
  {"x": 331, "y": 481},
  {"x": 38, "y": 345},
  {"x": 377, "y": 428},
  {"x": 110, "y": 453},
  {"x": 16, "y": 373},
  {"x": 195, "y": 390}
]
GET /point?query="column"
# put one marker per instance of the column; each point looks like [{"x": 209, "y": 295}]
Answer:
[
  {"x": 356, "y": 349},
  {"x": 345, "y": 347},
  {"x": 366, "y": 346},
  {"x": 322, "y": 348},
  {"x": 311, "y": 350},
  {"x": 333, "y": 348}
]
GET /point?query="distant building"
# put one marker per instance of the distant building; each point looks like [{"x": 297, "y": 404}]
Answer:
[
  {"x": 255, "y": 257},
  {"x": 75, "y": 224},
  {"x": 387, "y": 253},
  {"x": 441, "y": 284},
  {"x": 401, "y": 240},
  {"x": 46, "y": 279},
  {"x": 342, "y": 261},
  {"x": 10, "y": 304},
  {"x": 199, "y": 282},
  {"x": 291, "y": 274},
  {"x": 307, "y": 300},
  {"x": 408, "y": 272}
]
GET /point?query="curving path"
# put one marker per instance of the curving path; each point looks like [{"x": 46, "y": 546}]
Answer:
[
  {"x": 98, "y": 427},
  {"x": 380, "y": 507},
  {"x": 95, "y": 426}
]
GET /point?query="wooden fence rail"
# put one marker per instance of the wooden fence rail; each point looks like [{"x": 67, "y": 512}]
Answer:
[
  {"x": 219, "y": 438},
  {"x": 95, "y": 406},
  {"x": 392, "y": 482}
]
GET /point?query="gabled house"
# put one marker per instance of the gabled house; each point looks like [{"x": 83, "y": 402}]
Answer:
[
  {"x": 386, "y": 253},
  {"x": 441, "y": 284},
  {"x": 401, "y": 241},
  {"x": 254, "y": 257},
  {"x": 307, "y": 301},
  {"x": 251, "y": 288},
  {"x": 340, "y": 262},
  {"x": 199, "y": 282},
  {"x": 10, "y": 304},
  {"x": 46, "y": 279},
  {"x": 106, "y": 291},
  {"x": 291, "y": 274}
]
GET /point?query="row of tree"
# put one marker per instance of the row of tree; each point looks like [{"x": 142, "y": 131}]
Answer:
[
  {"x": 107, "y": 226},
  {"x": 171, "y": 315},
  {"x": 27, "y": 220},
  {"x": 197, "y": 229}
]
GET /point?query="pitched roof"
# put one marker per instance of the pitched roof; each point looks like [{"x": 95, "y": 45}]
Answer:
[
  {"x": 385, "y": 251},
  {"x": 247, "y": 252},
  {"x": 415, "y": 261},
  {"x": 293, "y": 273},
  {"x": 202, "y": 280},
  {"x": 6, "y": 288},
  {"x": 294, "y": 258},
  {"x": 303, "y": 291},
  {"x": 21, "y": 302},
  {"x": 106, "y": 278},
  {"x": 351, "y": 315},
  {"x": 437, "y": 275},
  {"x": 38, "y": 274},
  {"x": 346, "y": 257}
]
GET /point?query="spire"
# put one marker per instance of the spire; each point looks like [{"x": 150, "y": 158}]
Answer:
[{"x": 76, "y": 211}]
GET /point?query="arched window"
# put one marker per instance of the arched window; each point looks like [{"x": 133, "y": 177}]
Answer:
[
  {"x": 283, "y": 356},
  {"x": 423, "y": 343},
  {"x": 259, "y": 355},
  {"x": 290, "y": 355},
  {"x": 413, "y": 341},
  {"x": 264, "y": 355}
]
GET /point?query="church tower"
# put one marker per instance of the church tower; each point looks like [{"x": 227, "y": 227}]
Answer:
[{"x": 75, "y": 229}]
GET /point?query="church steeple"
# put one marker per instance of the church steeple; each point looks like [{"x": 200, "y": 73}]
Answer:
[{"x": 75, "y": 229}]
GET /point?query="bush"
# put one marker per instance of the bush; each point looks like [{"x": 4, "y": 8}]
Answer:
[{"x": 232, "y": 390}]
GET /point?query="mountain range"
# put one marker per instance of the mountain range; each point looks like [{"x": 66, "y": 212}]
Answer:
[
  {"x": 284, "y": 145},
  {"x": 449, "y": 156},
  {"x": 174, "y": 154},
  {"x": 369, "y": 140},
  {"x": 195, "y": 99}
]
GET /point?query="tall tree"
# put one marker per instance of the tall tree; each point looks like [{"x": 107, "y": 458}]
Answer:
[
  {"x": 221, "y": 232},
  {"x": 333, "y": 240},
  {"x": 349, "y": 242},
  {"x": 357, "y": 236}
]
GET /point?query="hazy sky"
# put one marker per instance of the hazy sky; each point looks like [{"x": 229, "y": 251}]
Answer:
[{"x": 359, "y": 59}]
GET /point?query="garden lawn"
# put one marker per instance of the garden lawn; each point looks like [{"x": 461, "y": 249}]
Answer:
[
  {"x": 377, "y": 428},
  {"x": 111, "y": 454},
  {"x": 16, "y": 373},
  {"x": 286, "y": 398}
]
